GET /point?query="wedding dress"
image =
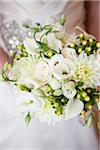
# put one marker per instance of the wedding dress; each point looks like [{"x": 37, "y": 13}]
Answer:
[{"x": 14, "y": 135}]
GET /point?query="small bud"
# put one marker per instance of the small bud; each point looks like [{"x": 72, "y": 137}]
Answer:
[
  {"x": 51, "y": 98},
  {"x": 81, "y": 35},
  {"x": 62, "y": 20},
  {"x": 80, "y": 50},
  {"x": 78, "y": 96},
  {"x": 90, "y": 40},
  {"x": 56, "y": 104},
  {"x": 84, "y": 42},
  {"x": 98, "y": 44},
  {"x": 48, "y": 89},
  {"x": 84, "y": 94},
  {"x": 88, "y": 49},
  {"x": 58, "y": 112},
  {"x": 88, "y": 91},
  {"x": 72, "y": 45},
  {"x": 89, "y": 106},
  {"x": 50, "y": 53},
  {"x": 25, "y": 54},
  {"x": 87, "y": 98},
  {"x": 83, "y": 114},
  {"x": 62, "y": 100}
]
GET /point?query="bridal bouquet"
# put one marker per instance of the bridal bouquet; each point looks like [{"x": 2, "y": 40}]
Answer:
[{"x": 58, "y": 74}]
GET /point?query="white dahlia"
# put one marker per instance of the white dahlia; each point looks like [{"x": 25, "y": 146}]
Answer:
[{"x": 87, "y": 69}]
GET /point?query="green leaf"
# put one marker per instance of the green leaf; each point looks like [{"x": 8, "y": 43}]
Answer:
[
  {"x": 89, "y": 120},
  {"x": 44, "y": 47},
  {"x": 40, "y": 93},
  {"x": 28, "y": 118},
  {"x": 57, "y": 92},
  {"x": 48, "y": 27},
  {"x": 4, "y": 70},
  {"x": 23, "y": 87}
]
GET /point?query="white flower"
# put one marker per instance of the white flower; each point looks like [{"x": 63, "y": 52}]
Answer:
[
  {"x": 61, "y": 68},
  {"x": 87, "y": 69},
  {"x": 54, "y": 83},
  {"x": 47, "y": 115},
  {"x": 23, "y": 71},
  {"x": 58, "y": 27},
  {"x": 68, "y": 52},
  {"x": 16, "y": 101},
  {"x": 27, "y": 102},
  {"x": 55, "y": 59},
  {"x": 54, "y": 43},
  {"x": 73, "y": 108},
  {"x": 42, "y": 72},
  {"x": 30, "y": 45},
  {"x": 68, "y": 89}
]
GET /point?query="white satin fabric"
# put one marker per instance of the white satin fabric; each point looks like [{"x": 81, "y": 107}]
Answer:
[{"x": 14, "y": 135}]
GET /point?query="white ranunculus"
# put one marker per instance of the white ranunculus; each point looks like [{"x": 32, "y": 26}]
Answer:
[
  {"x": 54, "y": 43},
  {"x": 68, "y": 89},
  {"x": 68, "y": 52},
  {"x": 30, "y": 45},
  {"x": 54, "y": 83},
  {"x": 73, "y": 108},
  {"x": 42, "y": 73}
]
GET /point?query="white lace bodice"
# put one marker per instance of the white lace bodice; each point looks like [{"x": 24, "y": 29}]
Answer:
[{"x": 36, "y": 11}]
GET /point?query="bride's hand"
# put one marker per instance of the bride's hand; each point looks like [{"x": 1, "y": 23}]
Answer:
[{"x": 3, "y": 58}]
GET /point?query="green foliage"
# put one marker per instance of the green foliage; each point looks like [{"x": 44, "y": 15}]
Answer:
[
  {"x": 28, "y": 118},
  {"x": 23, "y": 87},
  {"x": 4, "y": 71}
]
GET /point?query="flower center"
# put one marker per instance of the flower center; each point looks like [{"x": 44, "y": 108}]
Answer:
[{"x": 83, "y": 73}]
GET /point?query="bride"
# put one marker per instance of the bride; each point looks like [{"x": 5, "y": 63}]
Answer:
[{"x": 14, "y": 135}]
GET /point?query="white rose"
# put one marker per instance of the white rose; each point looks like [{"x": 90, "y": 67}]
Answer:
[
  {"x": 42, "y": 73},
  {"x": 68, "y": 89}
]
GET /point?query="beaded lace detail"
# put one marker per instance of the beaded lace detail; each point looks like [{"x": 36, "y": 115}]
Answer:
[{"x": 13, "y": 34}]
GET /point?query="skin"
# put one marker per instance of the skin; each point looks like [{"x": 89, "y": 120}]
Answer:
[
  {"x": 3, "y": 58},
  {"x": 92, "y": 21},
  {"x": 92, "y": 24}
]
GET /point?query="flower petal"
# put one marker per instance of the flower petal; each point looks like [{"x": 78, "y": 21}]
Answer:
[
  {"x": 30, "y": 45},
  {"x": 73, "y": 109}
]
